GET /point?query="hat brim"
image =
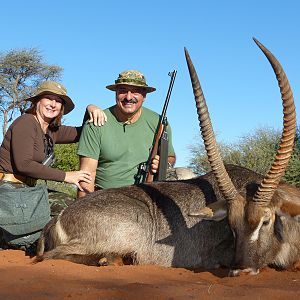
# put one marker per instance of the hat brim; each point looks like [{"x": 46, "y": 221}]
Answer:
[
  {"x": 148, "y": 89},
  {"x": 68, "y": 103}
]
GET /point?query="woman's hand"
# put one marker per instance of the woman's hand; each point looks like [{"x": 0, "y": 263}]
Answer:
[
  {"x": 97, "y": 115},
  {"x": 76, "y": 176}
]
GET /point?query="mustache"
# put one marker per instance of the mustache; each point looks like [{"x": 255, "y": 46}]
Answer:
[{"x": 133, "y": 101}]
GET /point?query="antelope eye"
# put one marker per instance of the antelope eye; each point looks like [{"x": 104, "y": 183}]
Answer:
[{"x": 266, "y": 222}]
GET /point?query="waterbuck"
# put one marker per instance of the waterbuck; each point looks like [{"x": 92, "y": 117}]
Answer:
[{"x": 165, "y": 223}]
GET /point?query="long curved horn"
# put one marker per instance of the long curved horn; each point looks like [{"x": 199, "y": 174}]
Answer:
[
  {"x": 224, "y": 182},
  {"x": 267, "y": 187}
]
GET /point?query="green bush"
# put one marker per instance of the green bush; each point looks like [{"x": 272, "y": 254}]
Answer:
[
  {"x": 64, "y": 187},
  {"x": 66, "y": 157},
  {"x": 254, "y": 151}
]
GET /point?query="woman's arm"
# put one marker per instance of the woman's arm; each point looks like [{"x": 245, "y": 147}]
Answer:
[
  {"x": 70, "y": 134},
  {"x": 27, "y": 151}
]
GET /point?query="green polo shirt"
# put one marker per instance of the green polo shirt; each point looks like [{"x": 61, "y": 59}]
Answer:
[{"x": 120, "y": 148}]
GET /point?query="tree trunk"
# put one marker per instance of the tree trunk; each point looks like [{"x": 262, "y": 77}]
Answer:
[{"x": 4, "y": 125}]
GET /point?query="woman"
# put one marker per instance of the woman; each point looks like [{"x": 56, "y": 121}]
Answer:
[{"x": 26, "y": 152}]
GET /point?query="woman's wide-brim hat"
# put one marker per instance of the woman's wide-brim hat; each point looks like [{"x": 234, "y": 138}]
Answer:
[
  {"x": 53, "y": 88},
  {"x": 132, "y": 78}
]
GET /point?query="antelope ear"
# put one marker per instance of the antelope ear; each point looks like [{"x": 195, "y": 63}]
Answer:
[
  {"x": 287, "y": 200},
  {"x": 216, "y": 211},
  {"x": 278, "y": 229}
]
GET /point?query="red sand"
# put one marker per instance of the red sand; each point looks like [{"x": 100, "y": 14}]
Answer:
[{"x": 57, "y": 279}]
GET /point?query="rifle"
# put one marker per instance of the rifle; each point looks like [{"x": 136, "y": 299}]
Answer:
[{"x": 159, "y": 145}]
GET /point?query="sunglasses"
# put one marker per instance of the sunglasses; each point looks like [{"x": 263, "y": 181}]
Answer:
[
  {"x": 48, "y": 144},
  {"x": 49, "y": 151}
]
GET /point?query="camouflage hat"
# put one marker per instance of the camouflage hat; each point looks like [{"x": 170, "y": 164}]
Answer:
[
  {"x": 53, "y": 88},
  {"x": 131, "y": 77}
]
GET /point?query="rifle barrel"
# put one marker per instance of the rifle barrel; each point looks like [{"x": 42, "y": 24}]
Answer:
[{"x": 173, "y": 76}]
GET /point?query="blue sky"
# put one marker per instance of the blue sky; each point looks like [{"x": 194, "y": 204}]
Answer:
[{"x": 95, "y": 40}]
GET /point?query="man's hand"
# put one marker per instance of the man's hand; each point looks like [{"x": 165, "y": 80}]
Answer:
[
  {"x": 90, "y": 165},
  {"x": 154, "y": 164}
]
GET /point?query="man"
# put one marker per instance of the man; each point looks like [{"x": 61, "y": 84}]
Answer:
[{"x": 113, "y": 152}]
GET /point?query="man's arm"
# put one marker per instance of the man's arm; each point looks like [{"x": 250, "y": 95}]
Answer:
[
  {"x": 171, "y": 160},
  {"x": 87, "y": 164}
]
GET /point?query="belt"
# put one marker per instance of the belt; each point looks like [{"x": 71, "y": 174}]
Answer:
[{"x": 17, "y": 179}]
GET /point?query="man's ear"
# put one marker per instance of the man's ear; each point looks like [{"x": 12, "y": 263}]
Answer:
[{"x": 144, "y": 93}]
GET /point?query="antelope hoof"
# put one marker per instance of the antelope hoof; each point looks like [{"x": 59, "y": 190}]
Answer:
[
  {"x": 103, "y": 261},
  {"x": 111, "y": 260},
  {"x": 238, "y": 272}
]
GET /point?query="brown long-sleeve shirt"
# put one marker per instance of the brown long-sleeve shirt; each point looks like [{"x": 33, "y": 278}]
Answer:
[{"x": 22, "y": 150}]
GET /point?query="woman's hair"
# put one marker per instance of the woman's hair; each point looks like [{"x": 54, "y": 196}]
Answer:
[{"x": 55, "y": 122}]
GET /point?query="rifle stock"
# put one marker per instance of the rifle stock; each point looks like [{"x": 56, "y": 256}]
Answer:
[
  {"x": 161, "y": 128},
  {"x": 161, "y": 175},
  {"x": 157, "y": 142}
]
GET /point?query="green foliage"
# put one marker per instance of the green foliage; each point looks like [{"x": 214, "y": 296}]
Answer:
[
  {"x": 199, "y": 162},
  {"x": 66, "y": 157},
  {"x": 67, "y": 188},
  {"x": 292, "y": 174},
  {"x": 254, "y": 151}
]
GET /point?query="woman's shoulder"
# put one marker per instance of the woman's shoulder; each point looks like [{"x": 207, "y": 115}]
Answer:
[
  {"x": 24, "y": 125},
  {"x": 26, "y": 120}
]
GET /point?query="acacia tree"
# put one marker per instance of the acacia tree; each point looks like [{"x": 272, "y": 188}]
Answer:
[
  {"x": 21, "y": 71},
  {"x": 292, "y": 174},
  {"x": 254, "y": 151}
]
